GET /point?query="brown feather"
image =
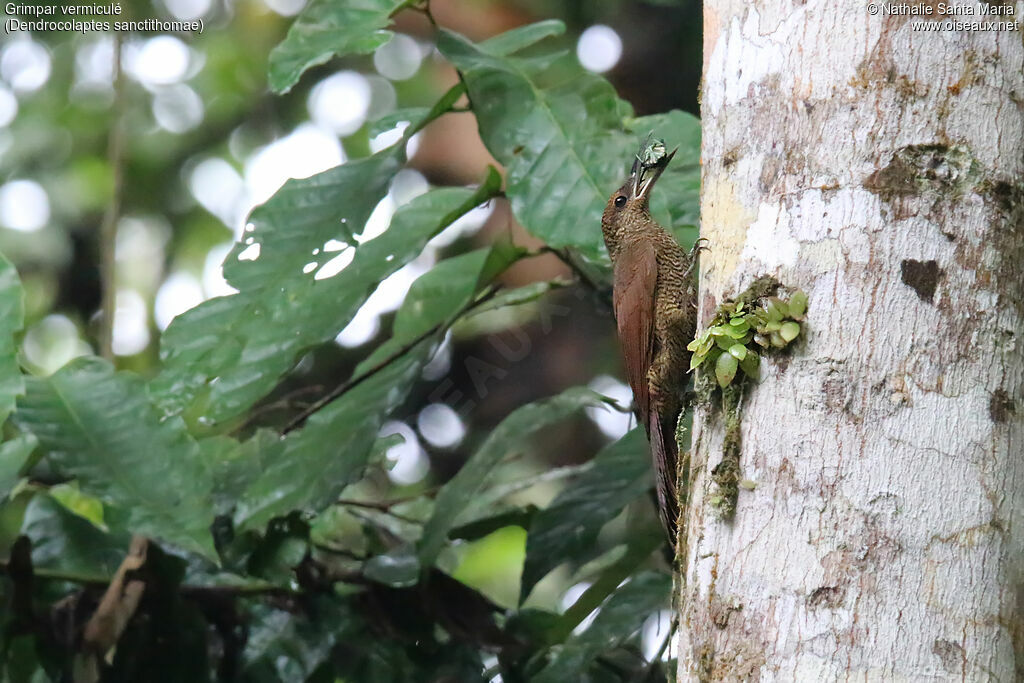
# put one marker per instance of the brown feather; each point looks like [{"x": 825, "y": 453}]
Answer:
[
  {"x": 664, "y": 454},
  {"x": 636, "y": 274}
]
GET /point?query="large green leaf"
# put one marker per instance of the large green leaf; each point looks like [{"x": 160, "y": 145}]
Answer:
[
  {"x": 225, "y": 354},
  {"x": 287, "y": 646},
  {"x": 568, "y": 527},
  {"x": 14, "y": 456},
  {"x": 62, "y": 541},
  {"x": 642, "y": 542},
  {"x": 561, "y": 146},
  {"x": 293, "y": 227},
  {"x": 676, "y": 201},
  {"x": 509, "y": 436},
  {"x": 99, "y": 427},
  {"x": 12, "y": 314},
  {"x": 621, "y": 616},
  {"x": 522, "y": 37},
  {"x": 327, "y": 28},
  {"x": 564, "y": 144},
  {"x": 309, "y": 468},
  {"x": 234, "y": 466}
]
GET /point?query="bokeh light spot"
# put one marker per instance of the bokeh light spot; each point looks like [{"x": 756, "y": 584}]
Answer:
[
  {"x": 408, "y": 463},
  {"x": 399, "y": 58},
  {"x": 340, "y": 102},
  {"x": 440, "y": 425},
  {"x": 25, "y": 65},
  {"x": 599, "y": 48},
  {"x": 612, "y": 423},
  {"x": 8, "y": 106},
  {"x": 131, "y": 324},
  {"x": 24, "y": 205},
  {"x": 161, "y": 60},
  {"x": 179, "y": 292}
]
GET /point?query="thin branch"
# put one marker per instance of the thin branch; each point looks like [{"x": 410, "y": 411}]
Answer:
[
  {"x": 565, "y": 257},
  {"x": 118, "y": 604},
  {"x": 108, "y": 227},
  {"x": 648, "y": 674},
  {"x": 286, "y": 402},
  {"x": 380, "y": 507},
  {"x": 353, "y": 382},
  {"x": 56, "y": 575},
  {"x": 188, "y": 590},
  {"x": 425, "y": 9}
]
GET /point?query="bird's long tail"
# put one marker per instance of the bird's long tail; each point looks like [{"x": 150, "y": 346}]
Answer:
[{"x": 665, "y": 452}]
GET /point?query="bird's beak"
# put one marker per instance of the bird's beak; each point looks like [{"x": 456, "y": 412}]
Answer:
[{"x": 644, "y": 177}]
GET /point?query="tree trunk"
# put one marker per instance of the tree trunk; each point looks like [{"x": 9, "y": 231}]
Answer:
[{"x": 880, "y": 169}]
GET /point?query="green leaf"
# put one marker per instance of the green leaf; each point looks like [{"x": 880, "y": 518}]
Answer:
[
  {"x": 327, "y": 28},
  {"x": 568, "y": 527},
  {"x": 12, "y": 314},
  {"x": 798, "y": 304},
  {"x": 751, "y": 365},
  {"x": 225, "y": 354},
  {"x": 14, "y": 456},
  {"x": 621, "y": 617},
  {"x": 519, "y": 295},
  {"x": 500, "y": 517},
  {"x": 98, "y": 427},
  {"x": 676, "y": 202},
  {"x": 399, "y": 568},
  {"x": 285, "y": 545},
  {"x": 507, "y": 437},
  {"x": 233, "y": 465},
  {"x": 293, "y": 228},
  {"x": 776, "y": 309},
  {"x": 522, "y": 37},
  {"x": 738, "y": 351},
  {"x": 79, "y": 503},
  {"x": 789, "y": 331},
  {"x": 614, "y": 569},
  {"x": 565, "y": 146},
  {"x": 408, "y": 115},
  {"x": 725, "y": 369},
  {"x": 308, "y": 469},
  {"x": 64, "y": 542},
  {"x": 724, "y": 341},
  {"x": 282, "y": 646}
]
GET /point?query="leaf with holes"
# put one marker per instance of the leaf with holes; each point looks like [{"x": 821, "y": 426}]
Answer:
[{"x": 227, "y": 353}]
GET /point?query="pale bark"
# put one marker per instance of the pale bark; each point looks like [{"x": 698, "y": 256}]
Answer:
[{"x": 882, "y": 171}]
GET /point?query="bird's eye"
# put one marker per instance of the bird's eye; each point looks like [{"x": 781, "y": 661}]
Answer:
[{"x": 620, "y": 201}]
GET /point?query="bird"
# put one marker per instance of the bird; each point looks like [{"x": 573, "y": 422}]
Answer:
[{"x": 654, "y": 299}]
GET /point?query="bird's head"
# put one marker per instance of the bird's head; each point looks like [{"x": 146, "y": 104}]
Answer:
[{"x": 631, "y": 202}]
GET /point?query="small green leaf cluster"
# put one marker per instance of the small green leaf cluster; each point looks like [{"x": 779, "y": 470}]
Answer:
[{"x": 740, "y": 332}]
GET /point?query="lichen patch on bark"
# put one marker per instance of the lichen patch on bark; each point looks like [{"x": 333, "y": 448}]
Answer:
[{"x": 917, "y": 170}]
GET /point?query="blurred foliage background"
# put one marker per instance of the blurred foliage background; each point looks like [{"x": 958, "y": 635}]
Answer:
[{"x": 205, "y": 141}]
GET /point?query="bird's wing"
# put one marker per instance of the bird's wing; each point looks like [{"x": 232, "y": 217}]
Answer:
[{"x": 635, "y": 277}]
